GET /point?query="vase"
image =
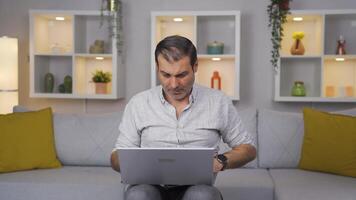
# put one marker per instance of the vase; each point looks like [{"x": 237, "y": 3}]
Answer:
[
  {"x": 297, "y": 48},
  {"x": 100, "y": 88},
  {"x": 298, "y": 89},
  {"x": 215, "y": 47},
  {"x": 67, "y": 84},
  {"x": 284, "y": 5},
  {"x": 215, "y": 81},
  {"x": 49, "y": 82},
  {"x": 112, "y": 5}
]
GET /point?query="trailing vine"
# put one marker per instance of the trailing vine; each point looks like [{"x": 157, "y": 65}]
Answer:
[{"x": 277, "y": 12}]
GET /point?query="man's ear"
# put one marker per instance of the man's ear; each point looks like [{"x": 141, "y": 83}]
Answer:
[{"x": 195, "y": 67}]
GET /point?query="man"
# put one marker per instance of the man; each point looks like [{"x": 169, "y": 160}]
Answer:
[{"x": 179, "y": 113}]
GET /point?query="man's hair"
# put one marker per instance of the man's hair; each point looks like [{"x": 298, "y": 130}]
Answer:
[{"x": 173, "y": 48}]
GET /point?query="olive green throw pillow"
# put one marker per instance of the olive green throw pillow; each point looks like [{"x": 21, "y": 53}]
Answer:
[
  {"x": 329, "y": 143},
  {"x": 27, "y": 141}
]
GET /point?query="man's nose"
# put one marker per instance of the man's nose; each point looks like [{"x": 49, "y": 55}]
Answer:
[{"x": 173, "y": 82}]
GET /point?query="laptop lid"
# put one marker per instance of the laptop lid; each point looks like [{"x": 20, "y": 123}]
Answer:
[{"x": 168, "y": 166}]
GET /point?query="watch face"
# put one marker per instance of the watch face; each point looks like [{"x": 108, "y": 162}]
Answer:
[{"x": 222, "y": 158}]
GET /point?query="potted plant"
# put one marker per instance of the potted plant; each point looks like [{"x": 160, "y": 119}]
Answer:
[
  {"x": 101, "y": 78},
  {"x": 113, "y": 10},
  {"x": 277, "y": 12}
]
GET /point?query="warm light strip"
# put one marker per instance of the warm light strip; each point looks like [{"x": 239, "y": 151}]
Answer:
[
  {"x": 340, "y": 59},
  {"x": 8, "y": 74},
  {"x": 297, "y": 19},
  {"x": 99, "y": 58},
  {"x": 216, "y": 59},
  {"x": 60, "y": 18},
  {"x": 178, "y": 19}
]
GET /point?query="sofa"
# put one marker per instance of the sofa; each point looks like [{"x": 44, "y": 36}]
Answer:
[{"x": 84, "y": 143}]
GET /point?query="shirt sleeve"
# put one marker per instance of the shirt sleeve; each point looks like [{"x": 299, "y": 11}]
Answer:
[
  {"x": 234, "y": 132},
  {"x": 129, "y": 134}
]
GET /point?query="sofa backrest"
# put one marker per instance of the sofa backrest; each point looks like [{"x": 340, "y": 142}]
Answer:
[
  {"x": 280, "y": 137},
  {"x": 84, "y": 139}
]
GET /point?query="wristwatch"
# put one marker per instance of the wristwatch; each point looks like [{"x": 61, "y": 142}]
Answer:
[{"x": 223, "y": 160}]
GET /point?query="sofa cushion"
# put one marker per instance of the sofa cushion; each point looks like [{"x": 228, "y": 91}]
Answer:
[
  {"x": 329, "y": 143},
  {"x": 245, "y": 184},
  {"x": 280, "y": 137},
  {"x": 84, "y": 139},
  {"x": 27, "y": 141},
  {"x": 66, "y": 183},
  {"x": 295, "y": 184},
  {"x": 249, "y": 119}
]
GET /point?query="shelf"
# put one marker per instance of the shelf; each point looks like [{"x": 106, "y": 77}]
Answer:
[
  {"x": 314, "y": 99},
  {"x": 339, "y": 77},
  {"x": 216, "y": 28},
  {"x": 51, "y": 35},
  {"x": 210, "y": 56},
  {"x": 71, "y": 56},
  {"x": 327, "y": 77},
  {"x": 59, "y": 66},
  {"x": 312, "y": 26},
  {"x": 88, "y": 30},
  {"x": 227, "y": 72},
  {"x": 166, "y": 26},
  {"x": 306, "y": 70},
  {"x": 300, "y": 56},
  {"x": 203, "y": 27},
  {"x": 85, "y": 66},
  {"x": 340, "y": 24}
]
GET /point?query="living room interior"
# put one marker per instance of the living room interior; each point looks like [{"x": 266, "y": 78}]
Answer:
[{"x": 273, "y": 99}]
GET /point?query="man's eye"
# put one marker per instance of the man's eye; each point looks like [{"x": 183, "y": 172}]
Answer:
[{"x": 166, "y": 75}]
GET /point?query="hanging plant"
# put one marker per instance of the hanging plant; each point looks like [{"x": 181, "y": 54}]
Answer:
[
  {"x": 113, "y": 8},
  {"x": 277, "y": 12}
]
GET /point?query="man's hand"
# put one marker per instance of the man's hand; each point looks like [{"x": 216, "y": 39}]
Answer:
[
  {"x": 115, "y": 161},
  {"x": 217, "y": 166}
]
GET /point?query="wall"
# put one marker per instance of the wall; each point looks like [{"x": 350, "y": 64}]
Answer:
[{"x": 257, "y": 75}]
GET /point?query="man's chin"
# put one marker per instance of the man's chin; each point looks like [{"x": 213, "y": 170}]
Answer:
[{"x": 177, "y": 97}]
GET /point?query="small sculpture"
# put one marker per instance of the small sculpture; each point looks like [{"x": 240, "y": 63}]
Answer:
[
  {"x": 97, "y": 47},
  {"x": 340, "y": 50}
]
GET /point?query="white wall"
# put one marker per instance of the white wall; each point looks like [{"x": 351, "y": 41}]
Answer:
[{"x": 256, "y": 71}]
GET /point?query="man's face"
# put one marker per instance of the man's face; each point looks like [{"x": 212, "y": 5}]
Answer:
[{"x": 176, "y": 78}]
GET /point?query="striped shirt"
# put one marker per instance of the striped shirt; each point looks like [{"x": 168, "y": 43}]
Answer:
[{"x": 150, "y": 121}]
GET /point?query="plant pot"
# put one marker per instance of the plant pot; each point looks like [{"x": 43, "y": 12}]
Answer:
[
  {"x": 100, "y": 88},
  {"x": 297, "y": 48},
  {"x": 284, "y": 5}
]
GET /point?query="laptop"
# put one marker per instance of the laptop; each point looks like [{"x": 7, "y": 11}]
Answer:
[{"x": 167, "y": 166}]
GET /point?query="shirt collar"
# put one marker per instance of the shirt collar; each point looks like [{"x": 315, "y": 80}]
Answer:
[{"x": 192, "y": 96}]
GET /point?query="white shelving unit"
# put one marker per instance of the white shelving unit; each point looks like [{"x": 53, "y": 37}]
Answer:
[
  {"x": 202, "y": 27},
  {"x": 318, "y": 68},
  {"x": 61, "y": 46}
]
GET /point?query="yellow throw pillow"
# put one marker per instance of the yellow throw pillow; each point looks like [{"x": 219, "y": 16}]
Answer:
[
  {"x": 27, "y": 141},
  {"x": 329, "y": 143}
]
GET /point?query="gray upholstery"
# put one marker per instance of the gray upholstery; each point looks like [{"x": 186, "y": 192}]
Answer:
[
  {"x": 295, "y": 184},
  {"x": 67, "y": 183},
  {"x": 280, "y": 136},
  {"x": 86, "y": 139},
  {"x": 245, "y": 184}
]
